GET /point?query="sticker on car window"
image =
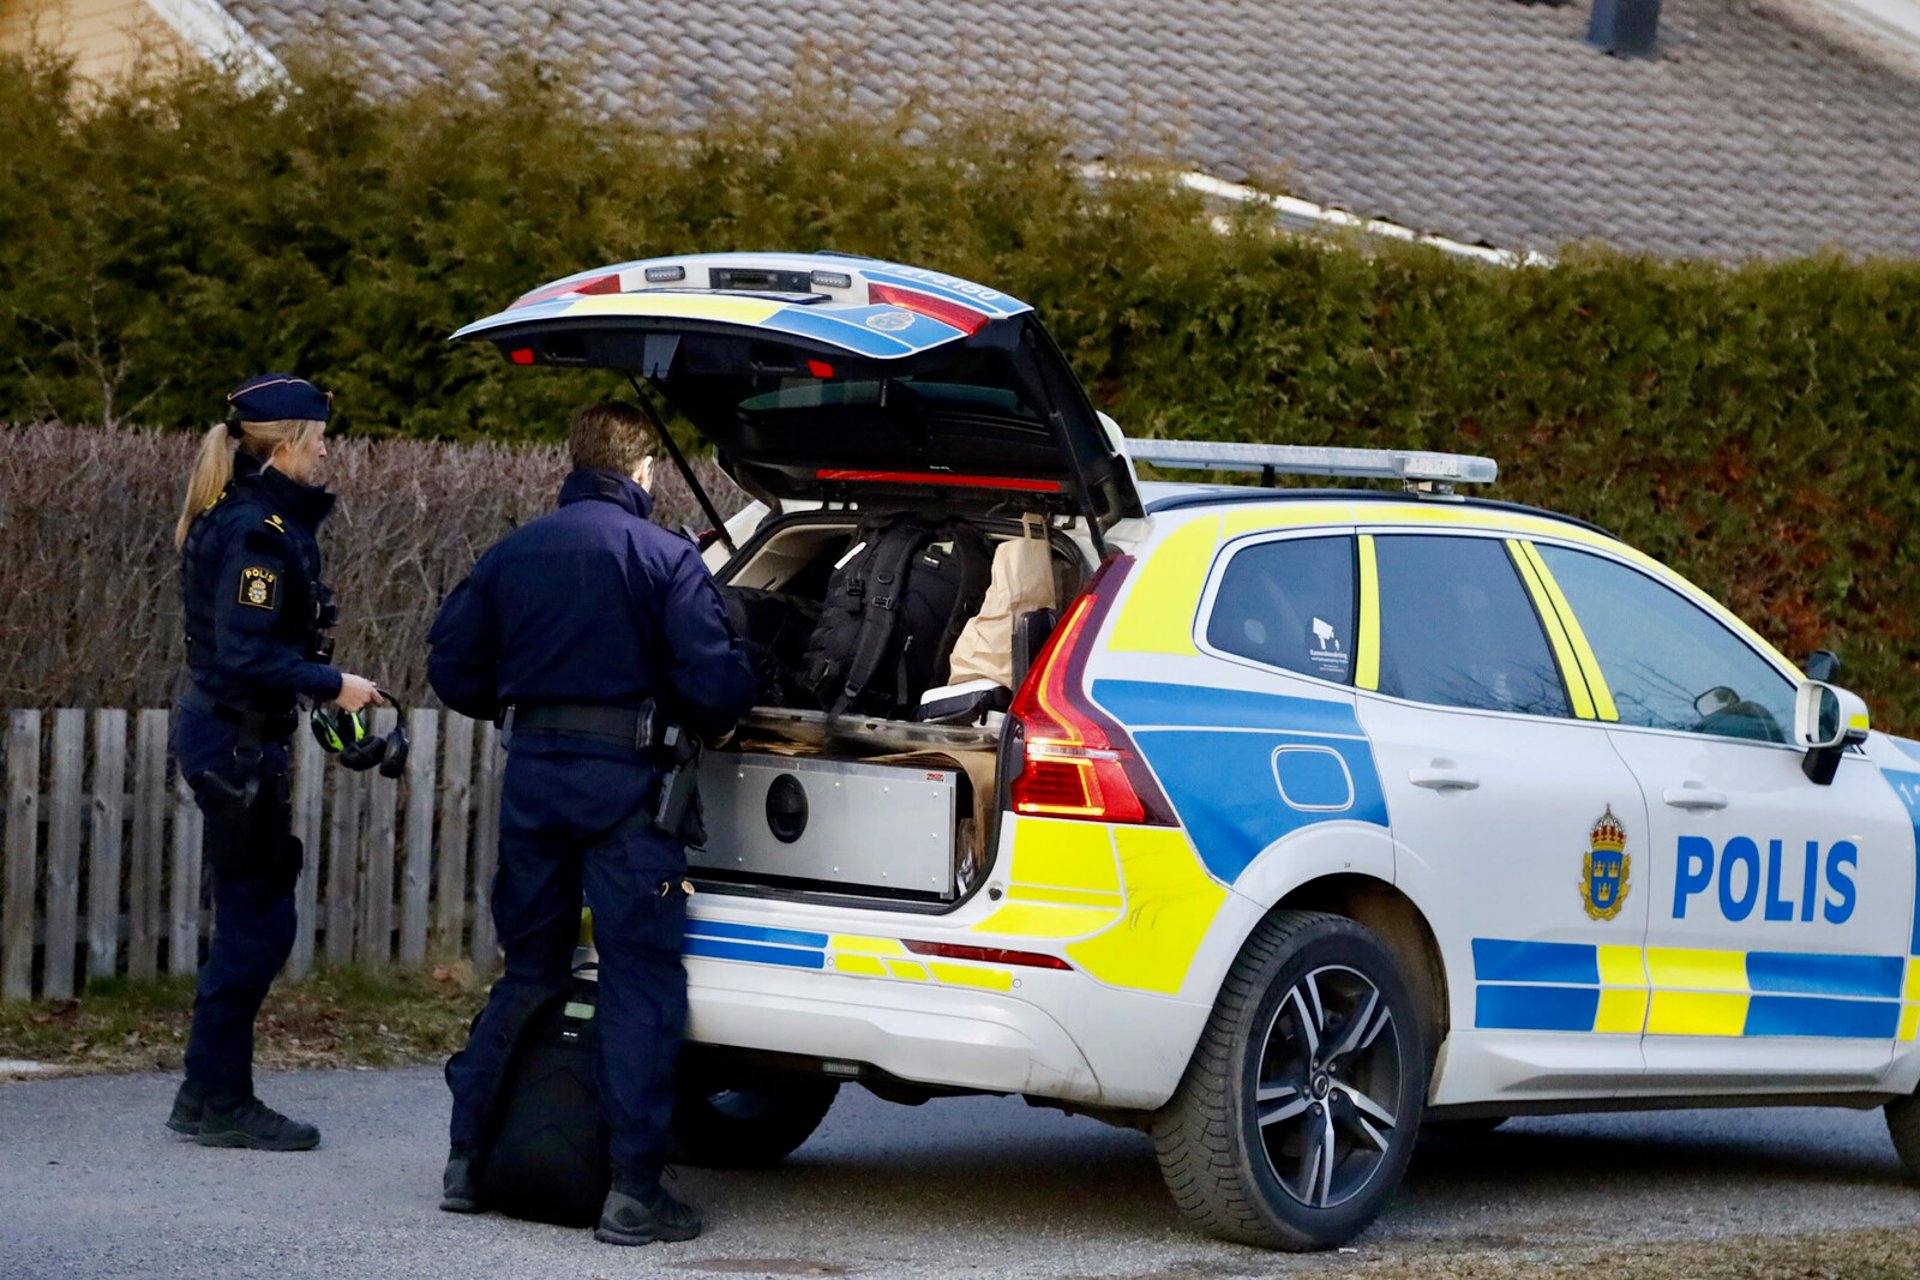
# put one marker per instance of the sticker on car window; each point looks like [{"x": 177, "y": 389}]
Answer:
[{"x": 1326, "y": 654}]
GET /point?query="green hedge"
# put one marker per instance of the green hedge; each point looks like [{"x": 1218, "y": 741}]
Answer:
[{"x": 1758, "y": 426}]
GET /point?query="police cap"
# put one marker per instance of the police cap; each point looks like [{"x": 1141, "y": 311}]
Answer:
[{"x": 277, "y": 397}]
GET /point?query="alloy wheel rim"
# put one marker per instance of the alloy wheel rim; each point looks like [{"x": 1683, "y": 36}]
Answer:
[{"x": 1327, "y": 1086}]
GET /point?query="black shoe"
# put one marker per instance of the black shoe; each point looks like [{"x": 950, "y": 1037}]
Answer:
[
  {"x": 641, "y": 1212},
  {"x": 189, "y": 1110},
  {"x": 460, "y": 1184},
  {"x": 256, "y": 1126}
]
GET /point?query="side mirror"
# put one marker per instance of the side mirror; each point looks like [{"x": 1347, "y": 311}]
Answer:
[
  {"x": 1716, "y": 699},
  {"x": 1823, "y": 665},
  {"x": 1826, "y": 721}
]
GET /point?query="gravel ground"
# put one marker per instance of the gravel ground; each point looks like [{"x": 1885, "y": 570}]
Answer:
[{"x": 91, "y": 1184}]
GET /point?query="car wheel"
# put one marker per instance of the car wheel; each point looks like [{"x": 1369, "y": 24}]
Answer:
[
  {"x": 747, "y": 1127},
  {"x": 1297, "y": 1115},
  {"x": 1903, "y": 1122}
]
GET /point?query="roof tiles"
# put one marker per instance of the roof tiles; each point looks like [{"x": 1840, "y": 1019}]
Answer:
[{"x": 1755, "y": 133}]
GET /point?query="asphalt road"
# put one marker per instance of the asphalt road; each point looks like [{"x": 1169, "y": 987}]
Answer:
[{"x": 91, "y": 1184}]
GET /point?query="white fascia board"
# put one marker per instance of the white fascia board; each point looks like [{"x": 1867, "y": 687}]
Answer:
[
  {"x": 206, "y": 27},
  {"x": 1303, "y": 215},
  {"x": 1896, "y": 21}
]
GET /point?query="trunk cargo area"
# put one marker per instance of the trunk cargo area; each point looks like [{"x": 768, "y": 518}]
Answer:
[{"x": 882, "y": 808}]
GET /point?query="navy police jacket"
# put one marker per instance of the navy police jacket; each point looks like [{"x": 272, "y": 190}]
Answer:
[
  {"x": 592, "y": 603},
  {"x": 250, "y": 584}
]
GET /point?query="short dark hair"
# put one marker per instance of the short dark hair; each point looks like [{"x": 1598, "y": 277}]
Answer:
[{"x": 614, "y": 436}]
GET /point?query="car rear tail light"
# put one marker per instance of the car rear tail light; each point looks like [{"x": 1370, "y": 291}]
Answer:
[
  {"x": 1072, "y": 760},
  {"x": 987, "y": 955},
  {"x": 951, "y": 314}
]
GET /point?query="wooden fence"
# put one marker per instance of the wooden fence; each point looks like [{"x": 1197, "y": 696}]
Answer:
[{"x": 100, "y": 869}]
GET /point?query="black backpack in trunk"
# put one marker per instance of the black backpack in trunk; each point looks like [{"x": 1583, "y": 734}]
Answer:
[{"x": 895, "y": 605}]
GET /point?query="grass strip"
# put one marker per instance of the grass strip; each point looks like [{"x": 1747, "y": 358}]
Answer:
[{"x": 334, "y": 1018}]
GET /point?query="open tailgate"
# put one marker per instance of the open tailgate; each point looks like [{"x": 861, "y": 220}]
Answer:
[{"x": 823, "y": 377}]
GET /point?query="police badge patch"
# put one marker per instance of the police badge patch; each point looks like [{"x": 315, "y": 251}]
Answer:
[
  {"x": 258, "y": 586},
  {"x": 1603, "y": 873}
]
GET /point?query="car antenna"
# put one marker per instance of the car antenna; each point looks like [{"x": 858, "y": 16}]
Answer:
[{"x": 680, "y": 465}]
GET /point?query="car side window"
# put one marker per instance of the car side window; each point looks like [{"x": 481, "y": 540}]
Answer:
[
  {"x": 1669, "y": 663},
  {"x": 1457, "y": 628},
  {"x": 1289, "y": 604}
]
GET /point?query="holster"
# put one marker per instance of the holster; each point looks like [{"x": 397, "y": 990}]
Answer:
[
  {"x": 680, "y": 815},
  {"x": 249, "y": 828}
]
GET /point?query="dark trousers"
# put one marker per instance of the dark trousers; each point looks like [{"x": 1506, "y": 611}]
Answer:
[
  {"x": 252, "y": 936},
  {"x": 556, "y": 811},
  {"x": 253, "y": 916}
]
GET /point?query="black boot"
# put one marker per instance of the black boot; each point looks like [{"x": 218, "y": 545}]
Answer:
[
  {"x": 640, "y": 1211},
  {"x": 460, "y": 1184},
  {"x": 254, "y": 1125},
  {"x": 189, "y": 1109}
]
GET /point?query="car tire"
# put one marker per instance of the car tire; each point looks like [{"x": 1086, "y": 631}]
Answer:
[
  {"x": 1338, "y": 1127},
  {"x": 750, "y": 1127},
  {"x": 1903, "y": 1123}
]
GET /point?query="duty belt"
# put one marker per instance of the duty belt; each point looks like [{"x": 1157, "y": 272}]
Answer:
[
  {"x": 267, "y": 724},
  {"x": 641, "y": 727}
]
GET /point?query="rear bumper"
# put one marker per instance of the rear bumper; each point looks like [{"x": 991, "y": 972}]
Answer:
[{"x": 949, "y": 1036}]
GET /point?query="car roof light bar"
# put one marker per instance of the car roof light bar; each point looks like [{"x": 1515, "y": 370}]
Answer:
[{"x": 1432, "y": 472}]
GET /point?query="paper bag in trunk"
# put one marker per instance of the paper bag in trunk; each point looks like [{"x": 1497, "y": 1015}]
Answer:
[{"x": 1022, "y": 581}]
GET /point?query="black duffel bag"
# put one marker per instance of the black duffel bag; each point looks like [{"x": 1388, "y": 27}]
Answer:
[
  {"x": 773, "y": 629},
  {"x": 546, "y": 1150}
]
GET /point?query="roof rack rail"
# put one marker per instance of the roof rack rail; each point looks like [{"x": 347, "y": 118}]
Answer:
[{"x": 1421, "y": 471}]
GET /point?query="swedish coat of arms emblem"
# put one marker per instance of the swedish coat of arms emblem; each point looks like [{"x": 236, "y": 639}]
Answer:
[
  {"x": 256, "y": 587},
  {"x": 1603, "y": 872}
]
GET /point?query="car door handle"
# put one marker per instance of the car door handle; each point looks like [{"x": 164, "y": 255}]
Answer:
[
  {"x": 1439, "y": 779},
  {"x": 1693, "y": 796}
]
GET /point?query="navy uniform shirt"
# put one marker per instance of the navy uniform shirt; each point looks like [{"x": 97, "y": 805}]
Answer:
[
  {"x": 592, "y": 603},
  {"x": 250, "y": 583}
]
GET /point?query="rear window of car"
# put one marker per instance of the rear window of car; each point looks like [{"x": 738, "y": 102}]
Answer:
[
  {"x": 1289, "y": 604},
  {"x": 784, "y": 404}
]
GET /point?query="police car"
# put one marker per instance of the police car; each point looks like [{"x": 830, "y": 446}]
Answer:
[{"x": 1321, "y": 813}]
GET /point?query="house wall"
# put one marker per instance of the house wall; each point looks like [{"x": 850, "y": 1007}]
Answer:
[{"x": 105, "y": 38}]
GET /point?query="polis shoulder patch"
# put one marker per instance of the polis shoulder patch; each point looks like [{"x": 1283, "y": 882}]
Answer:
[{"x": 259, "y": 587}]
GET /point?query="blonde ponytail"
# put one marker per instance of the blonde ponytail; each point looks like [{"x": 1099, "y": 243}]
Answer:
[
  {"x": 211, "y": 471},
  {"x": 213, "y": 467}
]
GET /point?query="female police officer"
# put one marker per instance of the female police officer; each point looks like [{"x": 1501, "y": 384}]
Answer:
[{"x": 256, "y": 616}]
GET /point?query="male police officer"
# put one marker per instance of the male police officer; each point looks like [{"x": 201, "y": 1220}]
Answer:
[{"x": 586, "y": 632}]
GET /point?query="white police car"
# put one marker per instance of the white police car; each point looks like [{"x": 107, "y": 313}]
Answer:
[{"x": 1320, "y": 814}]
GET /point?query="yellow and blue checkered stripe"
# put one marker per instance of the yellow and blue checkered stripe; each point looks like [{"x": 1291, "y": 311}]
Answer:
[
  {"x": 1564, "y": 986},
  {"x": 841, "y": 953},
  {"x": 756, "y": 944}
]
